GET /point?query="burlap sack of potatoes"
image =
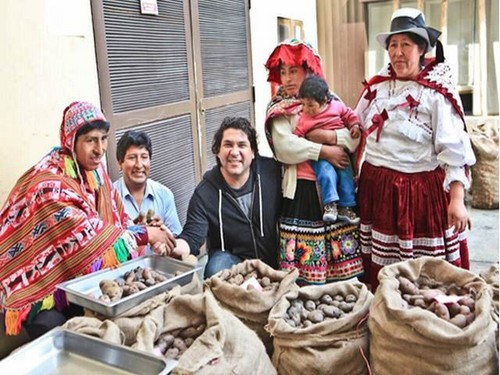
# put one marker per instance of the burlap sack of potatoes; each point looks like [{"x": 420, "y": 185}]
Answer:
[
  {"x": 491, "y": 277},
  {"x": 141, "y": 323},
  {"x": 251, "y": 306},
  {"x": 417, "y": 341},
  {"x": 226, "y": 346},
  {"x": 334, "y": 346},
  {"x": 484, "y": 139}
]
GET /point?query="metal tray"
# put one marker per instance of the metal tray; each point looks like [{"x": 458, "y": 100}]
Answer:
[
  {"x": 84, "y": 291},
  {"x": 61, "y": 351}
]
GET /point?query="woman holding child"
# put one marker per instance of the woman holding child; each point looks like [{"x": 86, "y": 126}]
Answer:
[{"x": 323, "y": 252}]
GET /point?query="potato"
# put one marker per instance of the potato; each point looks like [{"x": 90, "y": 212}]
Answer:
[
  {"x": 291, "y": 323},
  {"x": 296, "y": 318},
  {"x": 179, "y": 344},
  {"x": 469, "y": 318},
  {"x": 469, "y": 302},
  {"x": 129, "y": 289},
  {"x": 129, "y": 277},
  {"x": 188, "y": 332},
  {"x": 111, "y": 289},
  {"x": 265, "y": 281},
  {"x": 146, "y": 273},
  {"x": 158, "y": 277},
  {"x": 406, "y": 286},
  {"x": 419, "y": 302},
  {"x": 200, "y": 329},
  {"x": 327, "y": 299},
  {"x": 315, "y": 316},
  {"x": 189, "y": 341},
  {"x": 307, "y": 323},
  {"x": 464, "y": 310},
  {"x": 332, "y": 312},
  {"x": 139, "y": 285},
  {"x": 238, "y": 279},
  {"x": 430, "y": 294},
  {"x": 459, "y": 320},
  {"x": 172, "y": 353},
  {"x": 303, "y": 313},
  {"x": 346, "y": 307},
  {"x": 338, "y": 297},
  {"x": 454, "y": 309},
  {"x": 310, "y": 305},
  {"x": 350, "y": 298},
  {"x": 166, "y": 338},
  {"x": 442, "y": 311}
]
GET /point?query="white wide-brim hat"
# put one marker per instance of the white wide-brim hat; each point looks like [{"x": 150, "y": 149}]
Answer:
[{"x": 409, "y": 20}]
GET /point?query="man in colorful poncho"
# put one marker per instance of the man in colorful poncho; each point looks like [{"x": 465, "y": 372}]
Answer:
[{"x": 63, "y": 219}]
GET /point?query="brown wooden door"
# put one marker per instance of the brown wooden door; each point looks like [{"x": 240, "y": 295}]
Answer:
[{"x": 174, "y": 75}]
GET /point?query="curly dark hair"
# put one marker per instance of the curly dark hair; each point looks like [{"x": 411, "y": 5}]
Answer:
[{"x": 239, "y": 123}]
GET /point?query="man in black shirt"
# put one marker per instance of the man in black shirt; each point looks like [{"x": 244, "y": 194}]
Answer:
[{"x": 235, "y": 207}]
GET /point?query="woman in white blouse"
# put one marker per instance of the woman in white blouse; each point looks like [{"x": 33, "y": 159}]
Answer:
[{"x": 417, "y": 154}]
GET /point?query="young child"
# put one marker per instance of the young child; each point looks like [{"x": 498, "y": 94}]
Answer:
[{"x": 319, "y": 111}]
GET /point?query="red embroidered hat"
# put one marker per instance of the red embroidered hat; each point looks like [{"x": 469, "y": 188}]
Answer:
[
  {"x": 76, "y": 115},
  {"x": 409, "y": 20},
  {"x": 293, "y": 52}
]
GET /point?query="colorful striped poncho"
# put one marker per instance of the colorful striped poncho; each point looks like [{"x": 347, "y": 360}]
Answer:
[{"x": 58, "y": 223}]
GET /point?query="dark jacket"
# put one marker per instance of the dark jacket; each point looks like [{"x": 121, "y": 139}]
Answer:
[{"x": 214, "y": 214}]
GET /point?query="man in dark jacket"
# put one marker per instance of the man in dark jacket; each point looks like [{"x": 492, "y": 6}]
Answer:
[{"x": 235, "y": 208}]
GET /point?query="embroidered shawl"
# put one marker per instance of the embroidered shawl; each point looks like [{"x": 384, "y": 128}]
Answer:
[{"x": 57, "y": 223}]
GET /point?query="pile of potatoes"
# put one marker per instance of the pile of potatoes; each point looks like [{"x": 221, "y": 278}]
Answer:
[
  {"x": 265, "y": 282},
  {"x": 131, "y": 282},
  {"x": 303, "y": 313},
  {"x": 425, "y": 294},
  {"x": 173, "y": 344}
]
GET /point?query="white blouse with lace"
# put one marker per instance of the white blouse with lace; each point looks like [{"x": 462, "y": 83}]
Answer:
[{"x": 417, "y": 128}]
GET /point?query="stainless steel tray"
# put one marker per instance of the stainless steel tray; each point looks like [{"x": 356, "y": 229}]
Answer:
[
  {"x": 61, "y": 351},
  {"x": 84, "y": 291}
]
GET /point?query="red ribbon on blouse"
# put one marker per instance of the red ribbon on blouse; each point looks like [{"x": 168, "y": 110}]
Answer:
[{"x": 377, "y": 124}]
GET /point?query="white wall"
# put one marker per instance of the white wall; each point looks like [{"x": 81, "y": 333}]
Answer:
[
  {"x": 264, "y": 33},
  {"x": 48, "y": 61}
]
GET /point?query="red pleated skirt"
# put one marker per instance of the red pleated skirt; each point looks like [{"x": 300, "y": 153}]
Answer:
[{"x": 404, "y": 216}]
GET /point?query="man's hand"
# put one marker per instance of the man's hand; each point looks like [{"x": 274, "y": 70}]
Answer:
[{"x": 161, "y": 239}]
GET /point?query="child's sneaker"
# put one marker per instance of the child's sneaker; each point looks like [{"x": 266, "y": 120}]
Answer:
[
  {"x": 347, "y": 214},
  {"x": 330, "y": 212}
]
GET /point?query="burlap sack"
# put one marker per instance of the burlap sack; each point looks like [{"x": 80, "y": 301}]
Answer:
[
  {"x": 484, "y": 138},
  {"x": 142, "y": 322},
  {"x": 491, "y": 278},
  {"x": 250, "y": 306},
  {"x": 335, "y": 346},
  {"x": 106, "y": 330},
  {"x": 415, "y": 341},
  {"x": 226, "y": 347}
]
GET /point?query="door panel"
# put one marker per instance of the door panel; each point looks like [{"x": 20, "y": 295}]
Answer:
[{"x": 175, "y": 76}]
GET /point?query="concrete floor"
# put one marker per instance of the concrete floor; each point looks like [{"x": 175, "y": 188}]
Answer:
[{"x": 483, "y": 239}]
